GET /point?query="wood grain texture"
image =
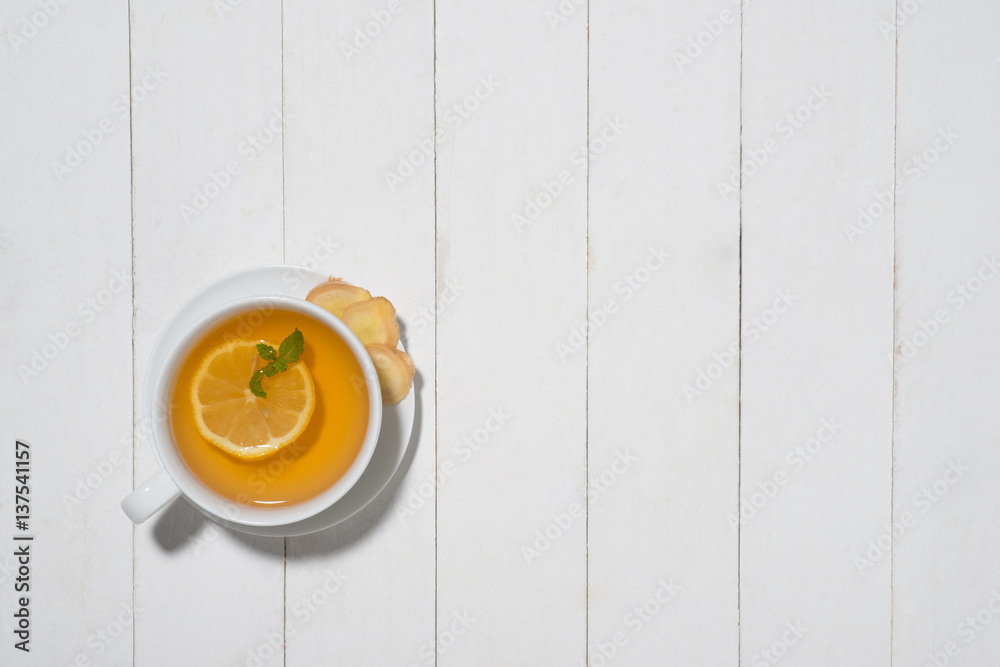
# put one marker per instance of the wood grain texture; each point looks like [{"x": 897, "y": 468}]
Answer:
[
  {"x": 700, "y": 297},
  {"x": 816, "y": 391},
  {"x": 216, "y": 105},
  {"x": 352, "y": 112},
  {"x": 511, "y": 413},
  {"x": 945, "y": 581},
  {"x": 664, "y": 312},
  {"x": 65, "y": 317}
]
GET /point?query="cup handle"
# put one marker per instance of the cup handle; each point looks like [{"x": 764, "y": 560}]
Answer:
[{"x": 150, "y": 496}]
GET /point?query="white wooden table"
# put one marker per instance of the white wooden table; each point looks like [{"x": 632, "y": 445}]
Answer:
[{"x": 679, "y": 412}]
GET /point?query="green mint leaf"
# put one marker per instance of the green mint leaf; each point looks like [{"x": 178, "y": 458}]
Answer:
[
  {"x": 292, "y": 347},
  {"x": 266, "y": 352},
  {"x": 278, "y": 361},
  {"x": 255, "y": 384}
]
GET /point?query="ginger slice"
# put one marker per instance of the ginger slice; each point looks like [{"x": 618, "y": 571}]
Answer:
[
  {"x": 336, "y": 296},
  {"x": 373, "y": 321},
  {"x": 395, "y": 372}
]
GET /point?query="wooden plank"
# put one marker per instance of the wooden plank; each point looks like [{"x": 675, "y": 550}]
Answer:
[
  {"x": 817, "y": 330},
  {"x": 208, "y": 200},
  {"x": 511, "y": 194},
  {"x": 364, "y": 590},
  {"x": 945, "y": 581},
  {"x": 664, "y": 304},
  {"x": 65, "y": 318}
]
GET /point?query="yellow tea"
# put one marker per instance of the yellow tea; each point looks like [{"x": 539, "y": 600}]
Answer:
[{"x": 316, "y": 458}]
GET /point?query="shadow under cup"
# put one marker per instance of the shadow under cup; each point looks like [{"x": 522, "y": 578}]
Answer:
[{"x": 252, "y": 492}]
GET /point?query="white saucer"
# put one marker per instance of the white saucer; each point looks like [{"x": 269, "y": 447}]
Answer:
[{"x": 282, "y": 280}]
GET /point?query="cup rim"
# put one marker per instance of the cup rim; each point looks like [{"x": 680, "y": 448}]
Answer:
[{"x": 200, "y": 495}]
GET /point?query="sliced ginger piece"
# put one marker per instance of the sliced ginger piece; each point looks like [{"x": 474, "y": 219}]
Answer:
[
  {"x": 395, "y": 372},
  {"x": 373, "y": 321},
  {"x": 336, "y": 295}
]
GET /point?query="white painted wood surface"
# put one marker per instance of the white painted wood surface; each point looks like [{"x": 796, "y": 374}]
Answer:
[
  {"x": 65, "y": 257},
  {"x": 817, "y": 317},
  {"x": 341, "y": 215},
  {"x": 664, "y": 272},
  {"x": 220, "y": 93},
  {"x": 668, "y": 413},
  {"x": 945, "y": 501},
  {"x": 512, "y": 414}
]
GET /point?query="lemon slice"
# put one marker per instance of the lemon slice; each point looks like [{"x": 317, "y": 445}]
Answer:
[{"x": 232, "y": 418}]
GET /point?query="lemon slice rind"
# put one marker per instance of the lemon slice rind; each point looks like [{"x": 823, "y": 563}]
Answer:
[{"x": 228, "y": 415}]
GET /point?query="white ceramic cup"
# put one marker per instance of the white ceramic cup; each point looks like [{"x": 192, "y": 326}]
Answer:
[{"x": 175, "y": 478}]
